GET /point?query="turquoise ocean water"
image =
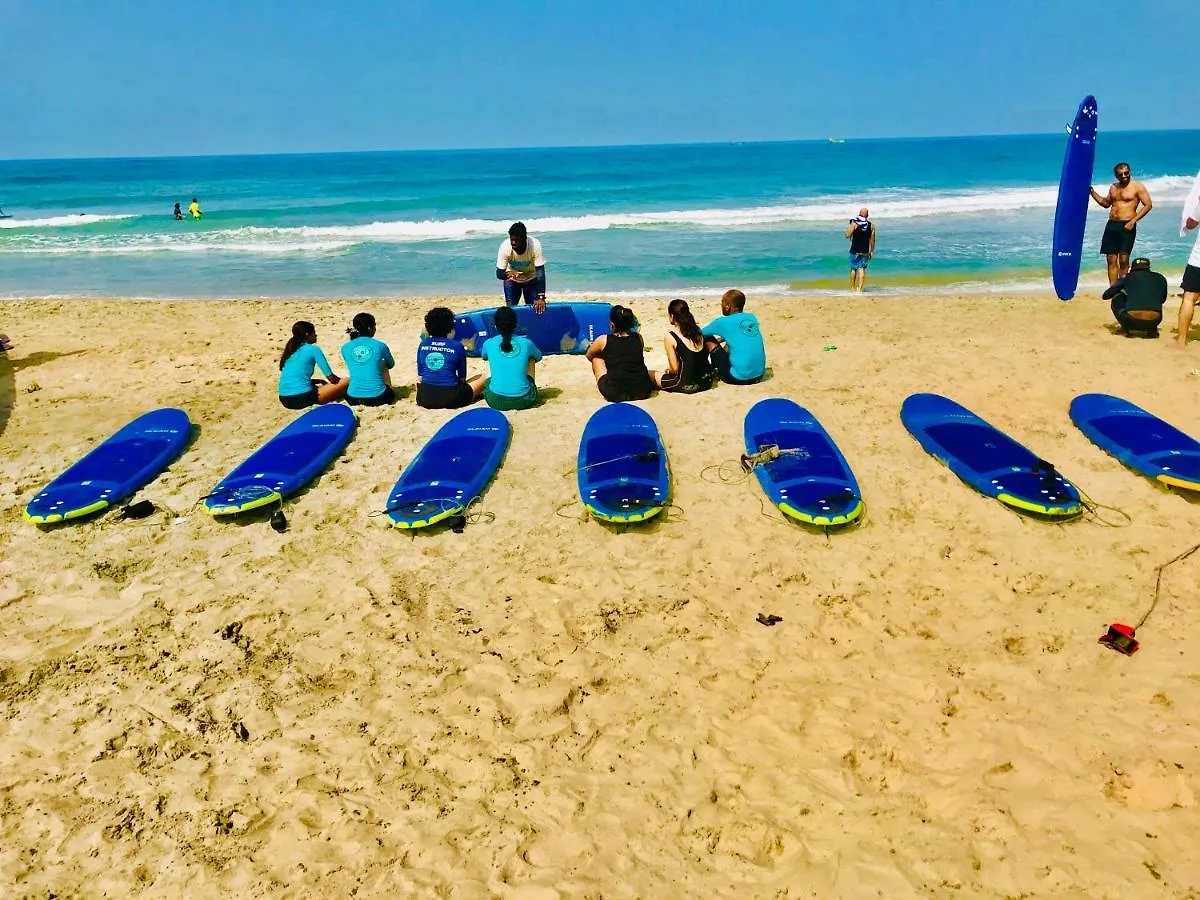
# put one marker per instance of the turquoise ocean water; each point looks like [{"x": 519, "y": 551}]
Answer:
[{"x": 615, "y": 221}]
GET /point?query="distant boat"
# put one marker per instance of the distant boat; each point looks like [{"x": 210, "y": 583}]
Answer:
[{"x": 837, "y": 140}]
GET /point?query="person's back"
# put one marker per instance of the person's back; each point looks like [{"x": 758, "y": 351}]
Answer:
[
  {"x": 1138, "y": 298},
  {"x": 511, "y": 384},
  {"x": 625, "y": 357},
  {"x": 442, "y": 381},
  {"x": 367, "y": 362},
  {"x": 745, "y": 361},
  {"x": 1146, "y": 290}
]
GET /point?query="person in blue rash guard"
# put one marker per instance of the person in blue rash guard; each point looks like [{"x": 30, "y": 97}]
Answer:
[
  {"x": 511, "y": 360},
  {"x": 522, "y": 267},
  {"x": 301, "y": 355},
  {"x": 442, "y": 381},
  {"x": 369, "y": 361},
  {"x": 735, "y": 342}
]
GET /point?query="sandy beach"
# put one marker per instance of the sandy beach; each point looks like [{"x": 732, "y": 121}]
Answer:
[{"x": 543, "y": 706}]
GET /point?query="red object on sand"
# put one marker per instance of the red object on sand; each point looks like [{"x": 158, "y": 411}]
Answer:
[{"x": 1120, "y": 638}]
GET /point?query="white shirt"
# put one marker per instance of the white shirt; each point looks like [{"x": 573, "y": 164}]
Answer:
[
  {"x": 521, "y": 267},
  {"x": 1194, "y": 259}
]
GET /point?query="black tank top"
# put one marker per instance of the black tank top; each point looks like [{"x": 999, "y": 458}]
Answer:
[
  {"x": 626, "y": 362},
  {"x": 695, "y": 370},
  {"x": 860, "y": 241}
]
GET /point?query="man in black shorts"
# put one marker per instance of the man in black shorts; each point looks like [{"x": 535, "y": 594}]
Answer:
[
  {"x": 1137, "y": 300},
  {"x": 1127, "y": 202}
]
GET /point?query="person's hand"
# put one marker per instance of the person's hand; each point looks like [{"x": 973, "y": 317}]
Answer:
[
  {"x": 1130, "y": 225},
  {"x": 1191, "y": 223},
  {"x": 539, "y": 305},
  {"x": 335, "y": 379}
]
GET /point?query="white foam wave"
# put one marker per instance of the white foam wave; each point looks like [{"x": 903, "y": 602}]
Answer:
[
  {"x": 884, "y": 204},
  {"x": 60, "y": 221}
]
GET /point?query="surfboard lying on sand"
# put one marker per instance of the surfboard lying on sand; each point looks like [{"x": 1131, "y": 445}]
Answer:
[
  {"x": 1074, "y": 192},
  {"x": 988, "y": 459},
  {"x": 451, "y": 470},
  {"x": 285, "y": 463},
  {"x": 809, "y": 480},
  {"x": 115, "y": 470},
  {"x": 1140, "y": 440},
  {"x": 562, "y": 328},
  {"x": 622, "y": 465}
]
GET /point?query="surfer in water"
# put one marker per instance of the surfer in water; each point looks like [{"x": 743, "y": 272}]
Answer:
[
  {"x": 194, "y": 209},
  {"x": 522, "y": 267},
  {"x": 1127, "y": 202},
  {"x": 861, "y": 234},
  {"x": 178, "y": 213}
]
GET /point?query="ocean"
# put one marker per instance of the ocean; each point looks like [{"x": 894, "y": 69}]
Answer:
[{"x": 952, "y": 214}]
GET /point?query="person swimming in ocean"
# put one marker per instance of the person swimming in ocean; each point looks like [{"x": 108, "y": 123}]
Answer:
[
  {"x": 194, "y": 209},
  {"x": 178, "y": 213}
]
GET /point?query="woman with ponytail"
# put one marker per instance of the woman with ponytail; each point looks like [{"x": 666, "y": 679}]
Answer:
[
  {"x": 301, "y": 355},
  {"x": 369, "y": 362},
  {"x": 618, "y": 359},
  {"x": 511, "y": 361},
  {"x": 689, "y": 369}
]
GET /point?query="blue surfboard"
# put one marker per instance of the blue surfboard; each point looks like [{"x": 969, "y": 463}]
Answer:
[
  {"x": 285, "y": 463},
  {"x": 451, "y": 470},
  {"x": 988, "y": 459},
  {"x": 810, "y": 480},
  {"x": 1074, "y": 186},
  {"x": 1141, "y": 440},
  {"x": 115, "y": 470},
  {"x": 622, "y": 465},
  {"x": 562, "y": 328}
]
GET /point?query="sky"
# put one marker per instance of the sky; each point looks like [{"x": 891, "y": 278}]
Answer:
[{"x": 81, "y": 78}]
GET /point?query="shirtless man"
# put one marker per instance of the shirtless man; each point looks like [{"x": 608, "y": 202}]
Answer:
[{"x": 1127, "y": 201}]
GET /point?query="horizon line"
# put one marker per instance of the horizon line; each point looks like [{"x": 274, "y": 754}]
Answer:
[{"x": 635, "y": 146}]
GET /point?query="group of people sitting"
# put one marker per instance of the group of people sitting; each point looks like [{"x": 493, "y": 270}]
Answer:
[{"x": 729, "y": 349}]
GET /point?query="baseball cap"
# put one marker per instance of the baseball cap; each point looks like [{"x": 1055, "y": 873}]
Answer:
[{"x": 1142, "y": 262}]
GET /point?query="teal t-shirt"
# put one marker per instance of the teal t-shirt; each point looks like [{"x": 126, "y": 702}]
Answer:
[
  {"x": 295, "y": 378},
  {"x": 366, "y": 358},
  {"x": 747, "y": 355},
  {"x": 509, "y": 371}
]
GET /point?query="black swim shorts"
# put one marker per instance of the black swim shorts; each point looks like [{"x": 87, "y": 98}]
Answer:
[
  {"x": 1191, "y": 279},
  {"x": 387, "y": 397},
  {"x": 1117, "y": 239},
  {"x": 300, "y": 401},
  {"x": 439, "y": 396}
]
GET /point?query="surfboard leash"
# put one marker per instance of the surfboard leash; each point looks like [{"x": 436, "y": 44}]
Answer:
[{"x": 1121, "y": 637}]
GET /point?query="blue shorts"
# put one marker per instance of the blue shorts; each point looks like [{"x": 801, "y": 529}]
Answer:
[
  {"x": 515, "y": 290},
  {"x": 858, "y": 261}
]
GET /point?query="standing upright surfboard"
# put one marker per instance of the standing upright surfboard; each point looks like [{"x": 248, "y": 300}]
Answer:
[{"x": 1074, "y": 192}]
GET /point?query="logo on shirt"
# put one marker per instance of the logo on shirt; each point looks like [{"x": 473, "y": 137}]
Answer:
[
  {"x": 361, "y": 354},
  {"x": 435, "y": 361},
  {"x": 748, "y": 328}
]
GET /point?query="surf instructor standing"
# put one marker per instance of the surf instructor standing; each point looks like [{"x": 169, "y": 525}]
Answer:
[
  {"x": 1127, "y": 202},
  {"x": 522, "y": 267}
]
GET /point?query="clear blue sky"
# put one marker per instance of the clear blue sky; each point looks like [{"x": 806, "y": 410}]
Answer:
[{"x": 137, "y": 78}]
